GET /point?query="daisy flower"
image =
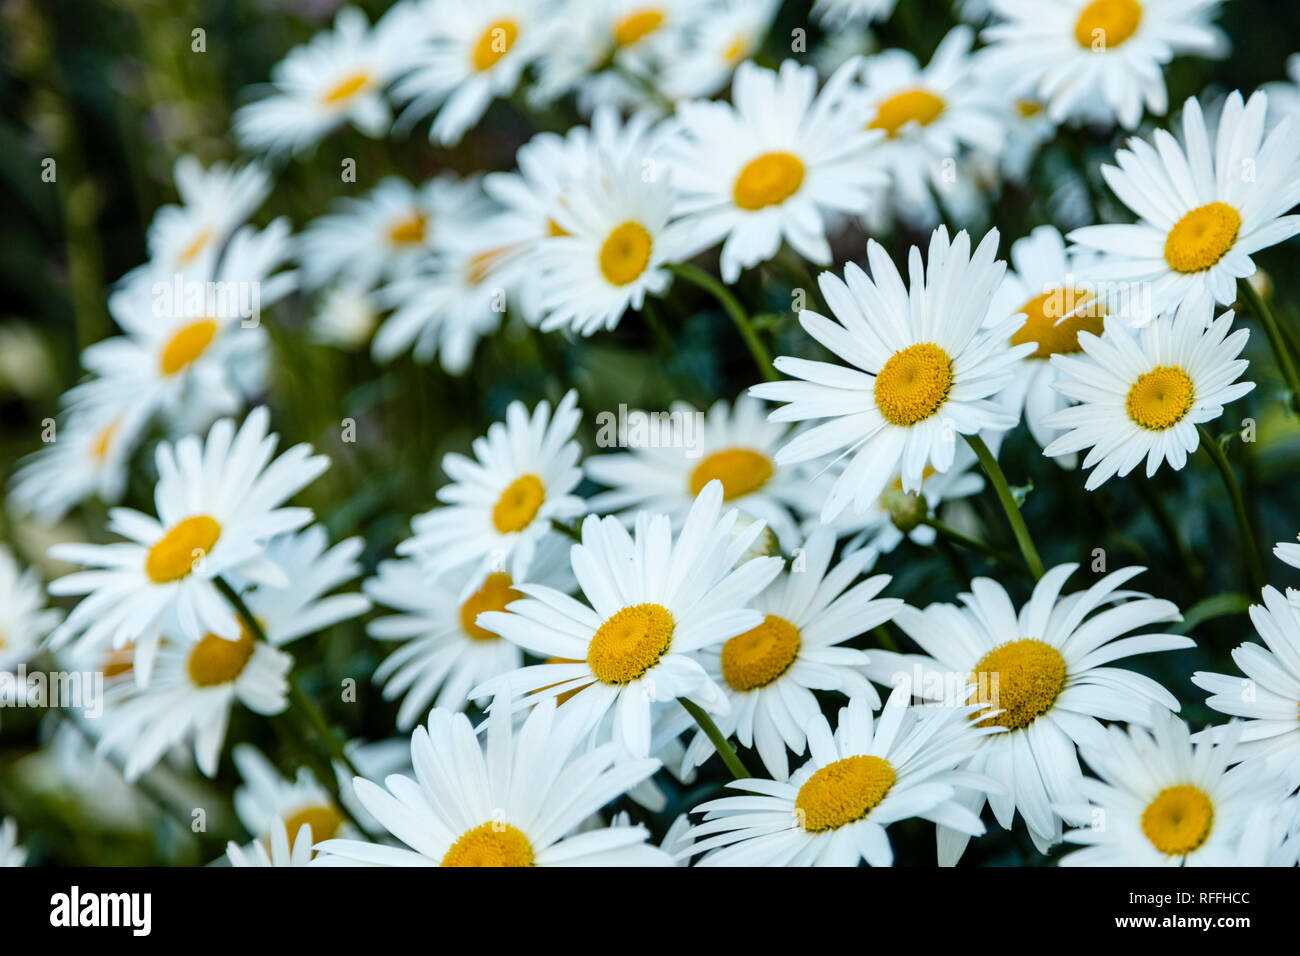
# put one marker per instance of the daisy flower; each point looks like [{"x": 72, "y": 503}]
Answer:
[
  {"x": 1268, "y": 693},
  {"x": 714, "y": 45},
  {"x": 1040, "y": 674},
  {"x": 24, "y": 619},
  {"x": 734, "y": 444},
  {"x": 514, "y": 800},
  {"x": 336, "y": 78},
  {"x": 655, "y": 600},
  {"x": 474, "y": 52},
  {"x": 1096, "y": 61},
  {"x": 1284, "y": 97},
  {"x": 500, "y": 505},
  {"x": 267, "y": 803},
  {"x": 925, "y": 368},
  {"x": 866, "y": 776},
  {"x": 444, "y": 652},
  {"x": 345, "y": 316},
  {"x": 1141, "y": 394},
  {"x": 1162, "y": 800},
  {"x": 218, "y": 502},
  {"x": 386, "y": 233},
  {"x": 214, "y": 203},
  {"x": 773, "y": 167},
  {"x": 836, "y": 14},
  {"x": 12, "y": 853},
  {"x": 771, "y": 671},
  {"x": 927, "y": 116},
  {"x": 281, "y": 852},
  {"x": 1042, "y": 286},
  {"x": 1202, "y": 212}
]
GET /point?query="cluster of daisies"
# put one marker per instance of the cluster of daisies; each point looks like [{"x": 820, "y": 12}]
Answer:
[{"x": 562, "y": 633}]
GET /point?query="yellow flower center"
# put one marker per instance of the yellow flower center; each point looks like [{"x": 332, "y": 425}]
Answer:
[
  {"x": 346, "y": 88},
  {"x": 1028, "y": 108},
  {"x": 768, "y": 180},
  {"x": 1202, "y": 237},
  {"x": 408, "y": 230},
  {"x": 625, "y": 253},
  {"x": 1021, "y": 678},
  {"x": 842, "y": 792},
  {"x": 1107, "y": 23},
  {"x": 737, "y": 49},
  {"x": 490, "y": 844},
  {"x": 196, "y": 245},
  {"x": 119, "y": 660},
  {"x": 1043, "y": 325},
  {"x": 630, "y": 643},
  {"x": 637, "y": 25},
  {"x": 741, "y": 471},
  {"x": 910, "y": 106},
  {"x": 914, "y": 383},
  {"x": 103, "y": 438},
  {"x": 214, "y": 660},
  {"x": 493, "y": 595},
  {"x": 1160, "y": 398},
  {"x": 761, "y": 655},
  {"x": 176, "y": 553},
  {"x": 323, "y": 819},
  {"x": 1178, "y": 820},
  {"x": 518, "y": 504},
  {"x": 495, "y": 43},
  {"x": 187, "y": 344}
]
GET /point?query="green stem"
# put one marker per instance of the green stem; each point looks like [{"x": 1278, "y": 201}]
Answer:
[
  {"x": 966, "y": 541},
  {"x": 1254, "y": 569},
  {"x": 301, "y": 703},
  {"x": 698, "y": 277},
  {"x": 1272, "y": 328},
  {"x": 886, "y": 639},
  {"x": 994, "y": 472},
  {"x": 720, "y": 743},
  {"x": 568, "y": 530}
]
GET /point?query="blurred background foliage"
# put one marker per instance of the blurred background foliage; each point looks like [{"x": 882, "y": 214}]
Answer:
[{"x": 112, "y": 90}]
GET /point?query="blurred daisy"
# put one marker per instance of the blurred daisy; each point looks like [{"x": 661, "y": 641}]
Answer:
[
  {"x": 1142, "y": 394},
  {"x": 1042, "y": 286},
  {"x": 924, "y": 368},
  {"x": 11, "y": 852},
  {"x": 444, "y": 652},
  {"x": 771, "y": 671},
  {"x": 835, "y": 14},
  {"x": 1202, "y": 211},
  {"x": 24, "y": 618},
  {"x": 1268, "y": 693},
  {"x": 267, "y": 803},
  {"x": 336, "y": 78},
  {"x": 474, "y": 52},
  {"x": 277, "y": 851},
  {"x": 499, "y": 506},
  {"x": 662, "y": 472},
  {"x": 1097, "y": 61},
  {"x": 387, "y": 232},
  {"x": 927, "y": 115},
  {"x": 218, "y": 502},
  {"x": 868, "y": 775},
  {"x": 714, "y": 44},
  {"x": 514, "y": 800},
  {"x": 1039, "y": 674},
  {"x": 775, "y": 166},
  {"x": 345, "y": 316},
  {"x": 1284, "y": 97},
  {"x": 1162, "y": 800},
  {"x": 214, "y": 203},
  {"x": 654, "y": 602}
]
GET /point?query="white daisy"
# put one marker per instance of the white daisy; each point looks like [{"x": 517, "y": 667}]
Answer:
[
  {"x": 387, "y": 232},
  {"x": 1096, "y": 61},
  {"x": 1041, "y": 675},
  {"x": 1289, "y": 552},
  {"x": 214, "y": 203},
  {"x": 473, "y": 51},
  {"x": 734, "y": 444},
  {"x": 514, "y": 800},
  {"x": 1284, "y": 97},
  {"x": 655, "y": 601},
  {"x": 1042, "y": 286},
  {"x": 345, "y": 316},
  {"x": 338, "y": 77},
  {"x": 771, "y": 671},
  {"x": 773, "y": 167},
  {"x": 714, "y": 44},
  {"x": 925, "y": 368},
  {"x": 12, "y": 853},
  {"x": 1162, "y": 801},
  {"x": 1268, "y": 696},
  {"x": 866, "y": 776},
  {"x": 24, "y": 618},
  {"x": 928, "y": 116},
  {"x": 445, "y": 652},
  {"x": 1203, "y": 211},
  {"x": 267, "y": 802},
  {"x": 1142, "y": 394},
  {"x": 281, "y": 853},
  {"x": 218, "y": 503}
]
